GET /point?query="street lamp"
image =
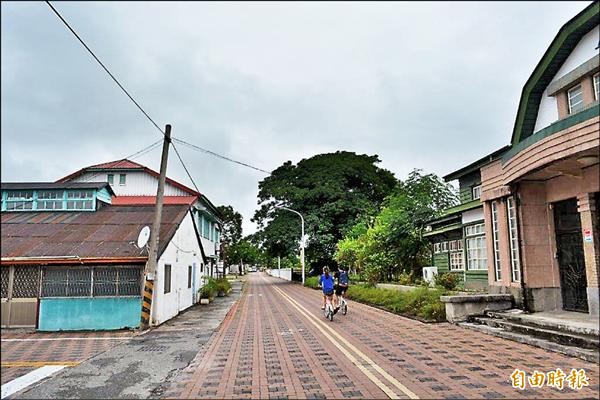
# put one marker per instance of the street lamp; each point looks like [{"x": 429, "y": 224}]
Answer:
[{"x": 302, "y": 239}]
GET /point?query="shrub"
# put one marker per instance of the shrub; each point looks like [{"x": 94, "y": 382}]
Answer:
[
  {"x": 222, "y": 285},
  {"x": 406, "y": 279},
  {"x": 422, "y": 302},
  {"x": 447, "y": 280},
  {"x": 312, "y": 282},
  {"x": 209, "y": 289}
]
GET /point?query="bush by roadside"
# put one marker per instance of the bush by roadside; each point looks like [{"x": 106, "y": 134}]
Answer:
[
  {"x": 222, "y": 285},
  {"x": 209, "y": 290},
  {"x": 422, "y": 302},
  {"x": 312, "y": 282}
]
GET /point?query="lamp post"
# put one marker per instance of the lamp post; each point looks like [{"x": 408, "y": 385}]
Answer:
[{"x": 302, "y": 239}]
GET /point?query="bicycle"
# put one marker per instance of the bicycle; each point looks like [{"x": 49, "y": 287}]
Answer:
[
  {"x": 328, "y": 312},
  {"x": 343, "y": 305}
]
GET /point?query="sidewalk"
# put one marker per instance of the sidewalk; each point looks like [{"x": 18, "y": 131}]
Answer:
[{"x": 145, "y": 365}]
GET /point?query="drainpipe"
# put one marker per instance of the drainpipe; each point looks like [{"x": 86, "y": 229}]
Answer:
[{"x": 517, "y": 198}]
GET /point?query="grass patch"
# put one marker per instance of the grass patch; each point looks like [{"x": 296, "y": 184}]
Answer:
[
  {"x": 421, "y": 302},
  {"x": 312, "y": 282}
]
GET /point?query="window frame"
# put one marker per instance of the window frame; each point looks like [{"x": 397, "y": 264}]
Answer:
[
  {"x": 110, "y": 178},
  {"x": 570, "y": 104},
  {"x": 475, "y": 234},
  {"x": 167, "y": 283},
  {"x": 513, "y": 239},
  {"x": 122, "y": 179},
  {"x": 596, "y": 85},
  {"x": 473, "y": 190},
  {"x": 496, "y": 242},
  {"x": 189, "y": 277},
  {"x": 453, "y": 265}
]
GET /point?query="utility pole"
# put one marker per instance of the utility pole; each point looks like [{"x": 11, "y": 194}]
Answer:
[{"x": 150, "y": 269}]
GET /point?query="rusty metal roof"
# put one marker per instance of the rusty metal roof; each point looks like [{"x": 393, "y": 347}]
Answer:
[{"x": 111, "y": 231}]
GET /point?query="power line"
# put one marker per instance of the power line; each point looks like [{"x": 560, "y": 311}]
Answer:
[
  {"x": 220, "y": 156},
  {"x": 144, "y": 112},
  {"x": 104, "y": 67}
]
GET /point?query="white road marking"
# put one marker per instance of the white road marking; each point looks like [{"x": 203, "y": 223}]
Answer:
[
  {"x": 26, "y": 380},
  {"x": 66, "y": 338}
]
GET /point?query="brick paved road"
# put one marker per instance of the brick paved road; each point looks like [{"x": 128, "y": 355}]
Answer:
[
  {"x": 23, "y": 352},
  {"x": 276, "y": 343}
]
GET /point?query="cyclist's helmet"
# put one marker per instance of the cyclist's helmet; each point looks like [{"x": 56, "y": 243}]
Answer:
[{"x": 326, "y": 270}]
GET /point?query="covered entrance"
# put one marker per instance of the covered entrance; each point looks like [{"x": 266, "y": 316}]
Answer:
[
  {"x": 571, "y": 259},
  {"x": 20, "y": 293}
]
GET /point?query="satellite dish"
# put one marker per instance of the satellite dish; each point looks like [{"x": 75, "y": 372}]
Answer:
[{"x": 143, "y": 237}]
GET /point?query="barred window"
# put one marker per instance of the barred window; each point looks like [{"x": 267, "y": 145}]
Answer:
[
  {"x": 5, "y": 278},
  {"x": 26, "y": 281},
  {"x": 77, "y": 282}
]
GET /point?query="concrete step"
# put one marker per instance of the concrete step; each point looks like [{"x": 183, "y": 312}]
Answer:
[
  {"x": 564, "y": 338},
  {"x": 585, "y": 354},
  {"x": 520, "y": 317}
]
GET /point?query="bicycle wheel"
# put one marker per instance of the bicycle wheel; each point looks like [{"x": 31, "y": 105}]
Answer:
[
  {"x": 330, "y": 314},
  {"x": 344, "y": 309}
]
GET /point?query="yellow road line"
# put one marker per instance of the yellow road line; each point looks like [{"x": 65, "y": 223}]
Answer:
[
  {"x": 367, "y": 359},
  {"x": 389, "y": 392},
  {"x": 35, "y": 364}
]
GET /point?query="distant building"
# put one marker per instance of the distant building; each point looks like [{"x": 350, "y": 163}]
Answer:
[
  {"x": 541, "y": 197},
  {"x": 458, "y": 234},
  {"x": 69, "y": 259},
  {"x": 134, "y": 183}
]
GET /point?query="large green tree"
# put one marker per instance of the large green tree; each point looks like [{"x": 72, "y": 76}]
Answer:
[
  {"x": 332, "y": 191},
  {"x": 231, "y": 230},
  {"x": 393, "y": 241}
]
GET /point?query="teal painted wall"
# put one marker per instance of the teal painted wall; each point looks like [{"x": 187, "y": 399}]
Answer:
[
  {"x": 104, "y": 195},
  {"x": 89, "y": 313}
]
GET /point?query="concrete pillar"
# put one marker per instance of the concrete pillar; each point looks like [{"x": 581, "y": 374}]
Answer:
[{"x": 589, "y": 223}]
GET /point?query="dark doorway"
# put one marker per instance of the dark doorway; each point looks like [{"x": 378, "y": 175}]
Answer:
[{"x": 571, "y": 261}]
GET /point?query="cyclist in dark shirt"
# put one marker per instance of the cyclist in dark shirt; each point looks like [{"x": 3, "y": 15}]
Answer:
[{"x": 342, "y": 284}]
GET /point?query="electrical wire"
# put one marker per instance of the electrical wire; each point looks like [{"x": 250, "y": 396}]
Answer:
[
  {"x": 144, "y": 112},
  {"x": 193, "y": 146}
]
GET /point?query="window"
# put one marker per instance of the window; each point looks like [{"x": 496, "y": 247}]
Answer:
[
  {"x": 50, "y": 200},
  {"x": 473, "y": 230},
  {"x": 201, "y": 267},
  {"x": 122, "y": 178},
  {"x": 476, "y": 192},
  {"x": 110, "y": 178},
  {"x": 455, "y": 245},
  {"x": 441, "y": 247},
  {"x": 189, "y": 276},
  {"x": 476, "y": 248},
  {"x": 80, "y": 200},
  {"x": 456, "y": 261},
  {"x": 206, "y": 228},
  {"x": 597, "y": 87},
  {"x": 497, "y": 266},
  {"x": 514, "y": 240},
  {"x": 92, "y": 282},
  {"x": 20, "y": 200},
  {"x": 167, "y": 278},
  {"x": 575, "y": 98}
]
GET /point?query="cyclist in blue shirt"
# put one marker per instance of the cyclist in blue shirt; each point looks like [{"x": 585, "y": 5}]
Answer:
[{"x": 326, "y": 283}]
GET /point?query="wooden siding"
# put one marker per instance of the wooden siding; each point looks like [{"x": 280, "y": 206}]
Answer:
[
  {"x": 466, "y": 184},
  {"x": 441, "y": 262}
]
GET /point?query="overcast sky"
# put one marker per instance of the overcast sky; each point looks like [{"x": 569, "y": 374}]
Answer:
[{"x": 423, "y": 85}]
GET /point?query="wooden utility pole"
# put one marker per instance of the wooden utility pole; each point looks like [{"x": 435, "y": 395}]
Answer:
[{"x": 150, "y": 269}]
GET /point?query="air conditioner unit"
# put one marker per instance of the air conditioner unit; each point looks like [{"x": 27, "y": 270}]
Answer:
[{"x": 429, "y": 274}]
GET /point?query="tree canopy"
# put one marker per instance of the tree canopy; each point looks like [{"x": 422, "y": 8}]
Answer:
[
  {"x": 332, "y": 191},
  {"x": 231, "y": 229},
  {"x": 393, "y": 242}
]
